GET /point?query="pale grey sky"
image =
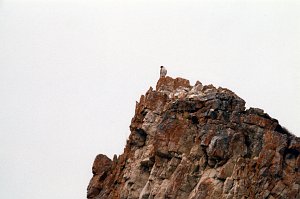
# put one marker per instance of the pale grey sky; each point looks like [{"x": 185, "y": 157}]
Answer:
[{"x": 71, "y": 71}]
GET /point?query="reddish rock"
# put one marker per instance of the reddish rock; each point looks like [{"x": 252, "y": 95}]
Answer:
[
  {"x": 199, "y": 142},
  {"x": 170, "y": 84},
  {"x": 101, "y": 168}
]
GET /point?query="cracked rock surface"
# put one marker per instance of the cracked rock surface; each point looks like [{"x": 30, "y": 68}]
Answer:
[{"x": 199, "y": 141}]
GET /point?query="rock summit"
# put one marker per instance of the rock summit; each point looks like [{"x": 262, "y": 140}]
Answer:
[{"x": 199, "y": 142}]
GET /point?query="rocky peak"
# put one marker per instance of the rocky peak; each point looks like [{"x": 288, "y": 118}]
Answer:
[{"x": 199, "y": 142}]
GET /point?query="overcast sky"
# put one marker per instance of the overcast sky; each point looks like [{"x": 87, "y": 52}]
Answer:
[{"x": 71, "y": 71}]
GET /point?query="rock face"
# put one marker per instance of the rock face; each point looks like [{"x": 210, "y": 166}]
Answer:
[{"x": 199, "y": 142}]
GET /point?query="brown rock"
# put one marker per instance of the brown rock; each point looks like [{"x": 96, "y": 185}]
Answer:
[
  {"x": 100, "y": 169},
  {"x": 199, "y": 142},
  {"x": 170, "y": 84}
]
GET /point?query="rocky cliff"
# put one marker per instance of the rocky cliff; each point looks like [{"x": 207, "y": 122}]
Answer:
[{"x": 199, "y": 142}]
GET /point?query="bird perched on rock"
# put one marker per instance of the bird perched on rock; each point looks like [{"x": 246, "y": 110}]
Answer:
[{"x": 163, "y": 71}]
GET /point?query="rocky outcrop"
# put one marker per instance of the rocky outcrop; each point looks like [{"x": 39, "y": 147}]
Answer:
[{"x": 199, "y": 142}]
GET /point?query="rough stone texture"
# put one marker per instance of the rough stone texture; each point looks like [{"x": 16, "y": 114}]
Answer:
[{"x": 199, "y": 142}]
